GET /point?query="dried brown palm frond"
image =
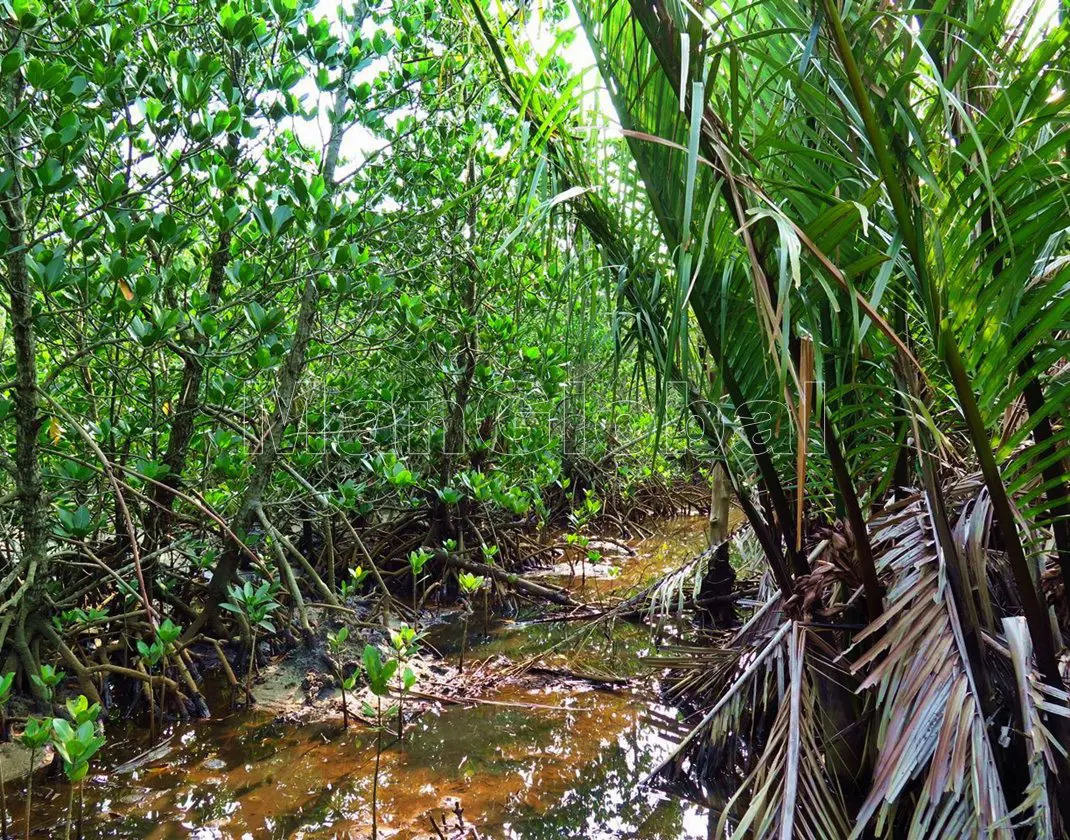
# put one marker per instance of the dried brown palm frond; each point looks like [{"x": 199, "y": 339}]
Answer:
[
  {"x": 702, "y": 674},
  {"x": 749, "y": 682},
  {"x": 790, "y": 793},
  {"x": 1035, "y": 698},
  {"x": 941, "y": 721},
  {"x": 930, "y": 726}
]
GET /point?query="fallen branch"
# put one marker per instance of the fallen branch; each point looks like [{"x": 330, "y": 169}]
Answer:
[{"x": 515, "y": 581}]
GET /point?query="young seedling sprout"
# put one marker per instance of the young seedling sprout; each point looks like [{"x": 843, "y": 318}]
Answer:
[
  {"x": 81, "y": 711},
  {"x": 36, "y": 733},
  {"x": 336, "y": 644},
  {"x": 405, "y": 641},
  {"x": 470, "y": 585},
  {"x": 46, "y": 680},
  {"x": 167, "y": 634},
  {"x": 348, "y": 588},
  {"x": 255, "y": 605},
  {"x": 490, "y": 554},
  {"x": 34, "y": 736},
  {"x": 76, "y": 745},
  {"x": 151, "y": 655},
  {"x": 417, "y": 560},
  {"x": 379, "y": 674}
]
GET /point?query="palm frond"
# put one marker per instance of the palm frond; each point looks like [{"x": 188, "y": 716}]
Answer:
[
  {"x": 789, "y": 793},
  {"x": 931, "y": 726},
  {"x": 1036, "y": 699}
]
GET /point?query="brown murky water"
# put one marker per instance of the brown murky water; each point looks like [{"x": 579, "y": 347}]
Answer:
[{"x": 517, "y": 772}]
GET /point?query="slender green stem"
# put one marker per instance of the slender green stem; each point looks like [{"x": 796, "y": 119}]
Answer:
[
  {"x": 29, "y": 791},
  {"x": 163, "y": 690},
  {"x": 464, "y": 644},
  {"x": 401, "y": 704},
  {"x": 70, "y": 813},
  {"x": 345, "y": 705},
  {"x": 375, "y": 776},
  {"x": 249, "y": 669},
  {"x": 152, "y": 709},
  {"x": 1036, "y": 613}
]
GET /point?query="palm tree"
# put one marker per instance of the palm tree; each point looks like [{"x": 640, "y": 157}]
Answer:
[{"x": 862, "y": 215}]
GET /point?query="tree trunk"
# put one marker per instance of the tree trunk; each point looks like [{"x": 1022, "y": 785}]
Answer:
[
  {"x": 264, "y": 465},
  {"x": 720, "y": 577},
  {"x": 158, "y": 525},
  {"x": 453, "y": 442},
  {"x": 32, "y": 513}
]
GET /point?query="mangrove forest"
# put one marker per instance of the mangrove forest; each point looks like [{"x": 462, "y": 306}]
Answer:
[{"x": 523, "y": 419}]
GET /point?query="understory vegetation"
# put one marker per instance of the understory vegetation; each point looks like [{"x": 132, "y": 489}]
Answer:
[{"x": 318, "y": 318}]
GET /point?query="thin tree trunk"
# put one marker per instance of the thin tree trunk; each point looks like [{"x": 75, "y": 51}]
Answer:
[
  {"x": 453, "y": 442},
  {"x": 32, "y": 512},
  {"x": 264, "y": 465},
  {"x": 158, "y": 525}
]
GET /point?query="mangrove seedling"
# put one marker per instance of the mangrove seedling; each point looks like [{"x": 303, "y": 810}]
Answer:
[
  {"x": 347, "y": 588},
  {"x": 151, "y": 655},
  {"x": 76, "y": 745},
  {"x": 490, "y": 552},
  {"x": 33, "y": 737},
  {"x": 255, "y": 605},
  {"x": 336, "y": 643},
  {"x": 5, "y": 695},
  {"x": 404, "y": 640},
  {"x": 167, "y": 634},
  {"x": 46, "y": 680},
  {"x": 348, "y": 684},
  {"x": 470, "y": 585},
  {"x": 82, "y": 712},
  {"x": 417, "y": 560},
  {"x": 593, "y": 558},
  {"x": 379, "y": 674}
]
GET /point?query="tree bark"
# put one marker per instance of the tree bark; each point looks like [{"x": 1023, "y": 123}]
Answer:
[{"x": 32, "y": 514}]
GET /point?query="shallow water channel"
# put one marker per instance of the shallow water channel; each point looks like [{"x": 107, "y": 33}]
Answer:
[{"x": 558, "y": 760}]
